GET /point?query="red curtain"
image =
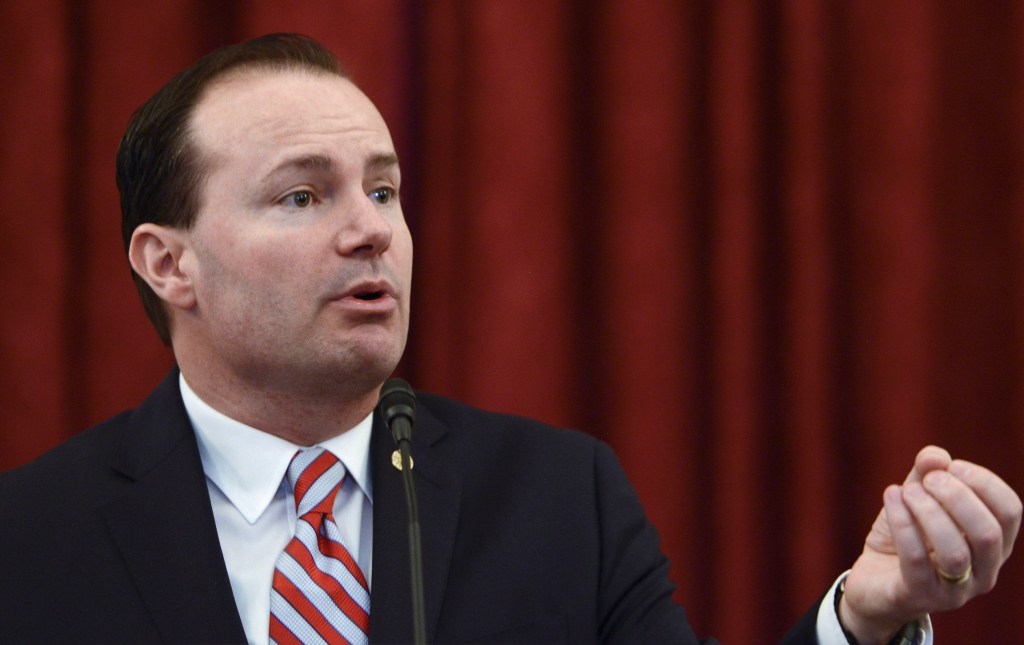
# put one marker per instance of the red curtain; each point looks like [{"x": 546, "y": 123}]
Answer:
[{"x": 766, "y": 250}]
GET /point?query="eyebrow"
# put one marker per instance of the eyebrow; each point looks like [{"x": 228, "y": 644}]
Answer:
[
  {"x": 381, "y": 161},
  {"x": 306, "y": 162},
  {"x": 326, "y": 164}
]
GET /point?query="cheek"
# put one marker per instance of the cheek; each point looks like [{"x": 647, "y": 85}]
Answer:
[
  {"x": 273, "y": 276},
  {"x": 401, "y": 245}
]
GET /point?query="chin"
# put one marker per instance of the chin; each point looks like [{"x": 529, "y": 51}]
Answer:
[
  {"x": 332, "y": 366},
  {"x": 358, "y": 369}
]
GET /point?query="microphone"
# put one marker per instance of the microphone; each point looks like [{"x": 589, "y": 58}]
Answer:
[{"x": 398, "y": 408}]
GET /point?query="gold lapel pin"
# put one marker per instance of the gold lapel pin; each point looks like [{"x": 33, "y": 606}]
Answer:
[{"x": 396, "y": 461}]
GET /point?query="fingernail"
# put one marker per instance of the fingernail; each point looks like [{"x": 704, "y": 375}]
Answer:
[
  {"x": 959, "y": 469},
  {"x": 912, "y": 490},
  {"x": 936, "y": 478},
  {"x": 894, "y": 494}
]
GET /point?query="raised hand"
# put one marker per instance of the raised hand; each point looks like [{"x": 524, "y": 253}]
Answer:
[{"x": 938, "y": 541}]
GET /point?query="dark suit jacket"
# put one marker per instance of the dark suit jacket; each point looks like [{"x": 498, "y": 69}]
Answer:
[{"x": 530, "y": 535}]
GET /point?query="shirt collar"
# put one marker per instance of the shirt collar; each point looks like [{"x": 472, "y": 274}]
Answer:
[{"x": 248, "y": 465}]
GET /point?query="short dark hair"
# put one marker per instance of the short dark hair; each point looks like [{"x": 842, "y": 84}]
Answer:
[{"x": 159, "y": 169}]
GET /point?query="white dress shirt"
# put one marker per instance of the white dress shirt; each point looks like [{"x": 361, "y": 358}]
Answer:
[{"x": 254, "y": 508}]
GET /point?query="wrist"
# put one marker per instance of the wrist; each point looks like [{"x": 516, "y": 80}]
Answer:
[{"x": 862, "y": 631}]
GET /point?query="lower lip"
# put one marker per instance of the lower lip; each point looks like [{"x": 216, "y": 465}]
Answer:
[{"x": 383, "y": 305}]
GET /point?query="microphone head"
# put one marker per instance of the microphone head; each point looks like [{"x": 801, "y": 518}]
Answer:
[{"x": 397, "y": 400}]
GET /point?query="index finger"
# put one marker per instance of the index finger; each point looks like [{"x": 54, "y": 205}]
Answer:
[
  {"x": 928, "y": 459},
  {"x": 996, "y": 494}
]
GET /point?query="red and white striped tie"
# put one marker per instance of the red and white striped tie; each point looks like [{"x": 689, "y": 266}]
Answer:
[{"x": 320, "y": 595}]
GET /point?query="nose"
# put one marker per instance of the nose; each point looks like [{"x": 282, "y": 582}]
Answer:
[{"x": 365, "y": 231}]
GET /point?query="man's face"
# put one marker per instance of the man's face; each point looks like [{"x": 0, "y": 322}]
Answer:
[{"x": 302, "y": 258}]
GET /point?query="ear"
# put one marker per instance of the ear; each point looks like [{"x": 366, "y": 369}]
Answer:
[{"x": 156, "y": 254}]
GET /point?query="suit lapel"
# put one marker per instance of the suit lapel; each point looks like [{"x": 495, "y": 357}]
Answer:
[
  {"x": 438, "y": 492},
  {"x": 164, "y": 527}
]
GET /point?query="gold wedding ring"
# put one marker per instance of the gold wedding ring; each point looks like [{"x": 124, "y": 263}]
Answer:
[{"x": 955, "y": 580}]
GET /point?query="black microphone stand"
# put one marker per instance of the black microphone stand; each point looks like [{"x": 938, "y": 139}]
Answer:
[
  {"x": 419, "y": 619},
  {"x": 398, "y": 407}
]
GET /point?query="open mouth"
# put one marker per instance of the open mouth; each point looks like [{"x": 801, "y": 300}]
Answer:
[{"x": 370, "y": 295}]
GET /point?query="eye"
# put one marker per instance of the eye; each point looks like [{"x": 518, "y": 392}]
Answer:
[
  {"x": 382, "y": 195},
  {"x": 299, "y": 199}
]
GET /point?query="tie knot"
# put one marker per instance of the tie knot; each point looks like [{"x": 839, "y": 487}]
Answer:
[{"x": 315, "y": 476}]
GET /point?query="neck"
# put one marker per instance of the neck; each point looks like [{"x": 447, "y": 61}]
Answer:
[{"x": 282, "y": 407}]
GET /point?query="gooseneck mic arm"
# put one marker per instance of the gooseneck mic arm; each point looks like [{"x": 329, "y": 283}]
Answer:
[{"x": 398, "y": 408}]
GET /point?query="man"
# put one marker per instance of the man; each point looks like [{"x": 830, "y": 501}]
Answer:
[{"x": 251, "y": 496}]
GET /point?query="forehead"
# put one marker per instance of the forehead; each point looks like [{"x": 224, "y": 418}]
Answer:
[{"x": 257, "y": 116}]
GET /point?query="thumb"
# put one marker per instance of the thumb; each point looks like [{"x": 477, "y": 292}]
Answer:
[{"x": 928, "y": 459}]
